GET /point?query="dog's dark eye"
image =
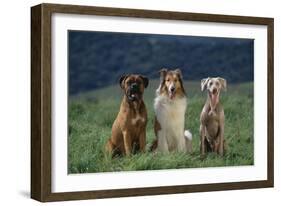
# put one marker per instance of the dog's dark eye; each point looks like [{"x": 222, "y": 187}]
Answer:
[
  {"x": 211, "y": 83},
  {"x": 217, "y": 84},
  {"x": 167, "y": 80}
]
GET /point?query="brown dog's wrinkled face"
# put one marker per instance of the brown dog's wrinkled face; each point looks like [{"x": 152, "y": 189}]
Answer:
[
  {"x": 171, "y": 83},
  {"x": 133, "y": 86},
  {"x": 214, "y": 86}
]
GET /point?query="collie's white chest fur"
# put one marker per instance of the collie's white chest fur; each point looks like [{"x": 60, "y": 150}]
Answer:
[{"x": 170, "y": 115}]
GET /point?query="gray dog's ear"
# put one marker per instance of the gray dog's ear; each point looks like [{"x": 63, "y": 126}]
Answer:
[
  {"x": 178, "y": 71},
  {"x": 122, "y": 80},
  {"x": 223, "y": 83},
  {"x": 204, "y": 83},
  {"x": 145, "y": 81}
]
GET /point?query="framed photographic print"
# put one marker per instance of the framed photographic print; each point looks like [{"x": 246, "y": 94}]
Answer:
[{"x": 130, "y": 102}]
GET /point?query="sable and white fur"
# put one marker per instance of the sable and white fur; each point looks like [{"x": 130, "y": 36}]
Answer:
[{"x": 170, "y": 106}]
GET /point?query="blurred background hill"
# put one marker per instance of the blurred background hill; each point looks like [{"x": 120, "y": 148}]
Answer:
[{"x": 98, "y": 59}]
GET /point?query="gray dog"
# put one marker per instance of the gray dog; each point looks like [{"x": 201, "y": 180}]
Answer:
[{"x": 212, "y": 117}]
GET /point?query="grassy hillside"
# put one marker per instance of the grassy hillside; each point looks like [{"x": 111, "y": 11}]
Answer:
[{"x": 91, "y": 116}]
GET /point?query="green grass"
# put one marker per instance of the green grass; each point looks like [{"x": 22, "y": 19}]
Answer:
[{"x": 91, "y": 116}]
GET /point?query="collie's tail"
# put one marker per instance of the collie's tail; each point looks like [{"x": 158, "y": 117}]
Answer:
[
  {"x": 188, "y": 140},
  {"x": 188, "y": 135}
]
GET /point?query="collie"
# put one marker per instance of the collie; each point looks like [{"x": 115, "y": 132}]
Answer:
[{"x": 170, "y": 106}]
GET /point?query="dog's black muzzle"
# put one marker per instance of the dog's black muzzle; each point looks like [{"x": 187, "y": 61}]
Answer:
[
  {"x": 133, "y": 92},
  {"x": 134, "y": 88}
]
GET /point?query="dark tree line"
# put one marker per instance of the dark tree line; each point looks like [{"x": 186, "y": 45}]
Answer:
[{"x": 98, "y": 59}]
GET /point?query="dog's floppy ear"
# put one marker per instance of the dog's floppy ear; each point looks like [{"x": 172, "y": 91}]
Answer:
[
  {"x": 145, "y": 81},
  {"x": 122, "y": 80},
  {"x": 178, "y": 71},
  {"x": 223, "y": 83},
  {"x": 163, "y": 73},
  {"x": 204, "y": 83}
]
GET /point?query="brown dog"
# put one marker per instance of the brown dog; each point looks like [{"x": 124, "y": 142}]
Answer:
[
  {"x": 212, "y": 117},
  {"x": 129, "y": 127}
]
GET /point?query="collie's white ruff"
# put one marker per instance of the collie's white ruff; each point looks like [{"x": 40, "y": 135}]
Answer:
[{"x": 170, "y": 115}]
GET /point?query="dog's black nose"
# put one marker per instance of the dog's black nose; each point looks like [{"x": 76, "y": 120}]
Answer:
[
  {"x": 173, "y": 89},
  {"x": 134, "y": 86}
]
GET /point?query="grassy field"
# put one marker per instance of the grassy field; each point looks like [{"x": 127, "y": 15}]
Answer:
[{"x": 91, "y": 116}]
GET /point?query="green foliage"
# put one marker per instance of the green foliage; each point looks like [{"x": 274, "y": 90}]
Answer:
[{"x": 91, "y": 116}]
